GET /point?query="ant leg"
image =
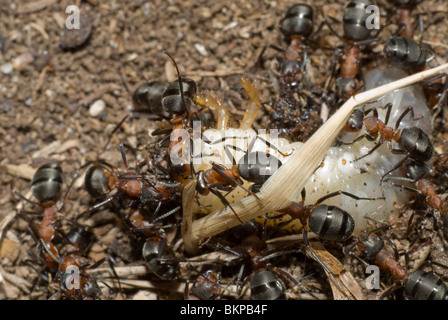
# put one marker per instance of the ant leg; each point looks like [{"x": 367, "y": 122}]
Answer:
[
  {"x": 19, "y": 195},
  {"x": 167, "y": 214},
  {"x": 96, "y": 206},
  {"x": 405, "y": 112},
  {"x": 333, "y": 194},
  {"x": 239, "y": 289},
  {"x": 270, "y": 145},
  {"x": 371, "y": 150},
  {"x": 180, "y": 82},
  {"x": 51, "y": 254},
  {"x": 398, "y": 165},
  {"x": 226, "y": 203},
  {"x": 328, "y": 24}
]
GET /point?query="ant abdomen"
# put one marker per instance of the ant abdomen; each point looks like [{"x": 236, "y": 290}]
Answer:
[
  {"x": 47, "y": 182},
  {"x": 148, "y": 96},
  {"x": 422, "y": 285},
  {"x": 331, "y": 223},
  {"x": 415, "y": 141},
  {"x": 355, "y": 16},
  {"x": 166, "y": 270},
  {"x": 405, "y": 53},
  {"x": 265, "y": 285},
  {"x": 258, "y": 166},
  {"x": 298, "y": 20}
]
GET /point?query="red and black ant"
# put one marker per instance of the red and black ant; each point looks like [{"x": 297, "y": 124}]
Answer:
[
  {"x": 415, "y": 173},
  {"x": 414, "y": 142},
  {"x": 296, "y": 26},
  {"x": 142, "y": 189},
  {"x": 206, "y": 287},
  {"x": 356, "y": 34},
  {"x": 404, "y": 15},
  {"x": 418, "y": 285},
  {"x": 328, "y": 222},
  {"x": 46, "y": 187}
]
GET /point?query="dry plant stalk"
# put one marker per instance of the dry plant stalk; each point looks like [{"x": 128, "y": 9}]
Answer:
[{"x": 290, "y": 177}]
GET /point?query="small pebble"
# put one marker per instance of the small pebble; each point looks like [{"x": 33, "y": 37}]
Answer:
[
  {"x": 6, "y": 68},
  {"x": 97, "y": 108},
  {"x": 200, "y": 48}
]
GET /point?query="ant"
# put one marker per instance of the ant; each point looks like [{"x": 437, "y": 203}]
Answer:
[
  {"x": 103, "y": 178},
  {"x": 418, "y": 285},
  {"x": 414, "y": 142},
  {"x": 205, "y": 287},
  {"x": 264, "y": 281},
  {"x": 296, "y": 26},
  {"x": 409, "y": 55},
  {"x": 46, "y": 187},
  {"x": 328, "y": 222},
  {"x": 255, "y": 166},
  {"x": 373, "y": 247},
  {"x": 416, "y": 174},
  {"x": 85, "y": 286},
  {"x": 404, "y": 16},
  {"x": 356, "y": 34},
  {"x": 161, "y": 259}
]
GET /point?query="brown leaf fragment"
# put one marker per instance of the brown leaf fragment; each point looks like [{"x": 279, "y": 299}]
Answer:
[{"x": 344, "y": 279}]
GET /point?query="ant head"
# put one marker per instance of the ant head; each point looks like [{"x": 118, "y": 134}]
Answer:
[
  {"x": 178, "y": 97},
  {"x": 355, "y": 122},
  {"x": 258, "y": 166},
  {"x": 179, "y": 101},
  {"x": 47, "y": 182},
  {"x": 99, "y": 181}
]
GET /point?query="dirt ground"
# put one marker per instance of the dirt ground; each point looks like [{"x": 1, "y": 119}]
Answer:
[{"x": 49, "y": 95}]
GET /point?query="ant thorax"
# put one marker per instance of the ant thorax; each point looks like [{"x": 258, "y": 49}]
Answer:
[{"x": 339, "y": 170}]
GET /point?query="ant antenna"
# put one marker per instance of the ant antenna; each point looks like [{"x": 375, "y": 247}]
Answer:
[{"x": 180, "y": 80}]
